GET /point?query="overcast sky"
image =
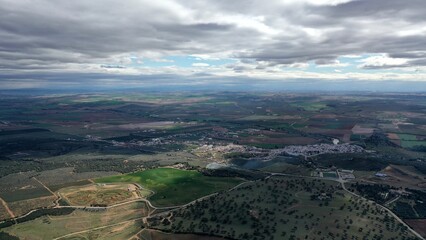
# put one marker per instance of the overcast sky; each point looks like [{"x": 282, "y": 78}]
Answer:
[{"x": 132, "y": 43}]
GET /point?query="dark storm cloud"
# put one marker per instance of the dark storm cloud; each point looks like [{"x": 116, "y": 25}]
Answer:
[
  {"x": 69, "y": 33},
  {"x": 113, "y": 66},
  {"x": 418, "y": 62},
  {"x": 408, "y": 9},
  {"x": 55, "y": 36},
  {"x": 356, "y": 27}
]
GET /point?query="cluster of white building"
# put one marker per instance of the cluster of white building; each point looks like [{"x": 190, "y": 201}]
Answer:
[{"x": 316, "y": 149}]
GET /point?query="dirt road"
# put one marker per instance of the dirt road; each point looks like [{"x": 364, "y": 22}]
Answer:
[{"x": 12, "y": 215}]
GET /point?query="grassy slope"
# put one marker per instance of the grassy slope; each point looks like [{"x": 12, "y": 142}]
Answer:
[{"x": 174, "y": 186}]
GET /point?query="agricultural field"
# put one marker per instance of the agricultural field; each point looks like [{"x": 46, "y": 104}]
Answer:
[
  {"x": 149, "y": 234},
  {"x": 99, "y": 194},
  {"x": 3, "y": 212},
  {"x": 25, "y": 194},
  {"x": 398, "y": 176},
  {"x": 284, "y": 207},
  {"x": 119, "y": 219},
  {"x": 125, "y": 230},
  {"x": 418, "y": 224},
  {"x": 173, "y": 186},
  {"x": 282, "y": 167},
  {"x": 411, "y": 205},
  {"x": 22, "y": 207},
  {"x": 330, "y": 174},
  {"x": 68, "y": 175},
  {"x": 310, "y": 106},
  {"x": 413, "y": 144},
  {"x": 408, "y": 140},
  {"x": 57, "y": 187},
  {"x": 23, "y": 186}
]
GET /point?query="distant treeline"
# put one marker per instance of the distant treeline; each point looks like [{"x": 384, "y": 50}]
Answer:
[
  {"x": 22, "y": 131},
  {"x": 418, "y": 148},
  {"x": 374, "y": 192},
  {"x": 232, "y": 172},
  {"x": 108, "y": 165}
]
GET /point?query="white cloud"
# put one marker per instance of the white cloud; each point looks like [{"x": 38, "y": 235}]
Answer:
[
  {"x": 200, "y": 64},
  {"x": 298, "y": 65},
  {"x": 352, "y": 56},
  {"x": 204, "y": 57},
  {"x": 382, "y": 61},
  {"x": 162, "y": 60},
  {"x": 334, "y": 64}
]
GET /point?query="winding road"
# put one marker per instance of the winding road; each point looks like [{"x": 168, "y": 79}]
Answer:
[{"x": 342, "y": 183}]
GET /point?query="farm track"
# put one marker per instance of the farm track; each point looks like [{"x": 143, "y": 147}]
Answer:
[
  {"x": 391, "y": 201},
  {"x": 187, "y": 204},
  {"x": 387, "y": 210},
  {"x": 135, "y": 236},
  {"x": 97, "y": 228},
  {"x": 85, "y": 207},
  {"x": 12, "y": 215},
  {"x": 58, "y": 196},
  {"x": 42, "y": 184}
]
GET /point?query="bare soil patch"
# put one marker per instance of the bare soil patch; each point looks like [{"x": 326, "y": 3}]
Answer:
[{"x": 419, "y": 225}]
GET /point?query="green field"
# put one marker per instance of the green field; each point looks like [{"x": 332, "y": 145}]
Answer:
[
  {"x": 409, "y": 141},
  {"x": 174, "y": 186},
  {"x": 330, "y": 175},
  {"x": 259, "y": 117},
  {"x": 407, "y": 137},
  {"x": 356, "y": 137},
  {"x": 310, "y": 106},
  {"x": 410, "y": 144}
]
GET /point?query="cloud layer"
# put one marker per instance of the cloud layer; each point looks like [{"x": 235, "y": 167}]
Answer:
[{"x": 265, "y": 39}]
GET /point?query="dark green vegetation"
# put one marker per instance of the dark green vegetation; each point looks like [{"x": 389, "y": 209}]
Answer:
[
  {"x": 173, "y": 186},
  {"x": 284, "y": 208},
  {"x": 412, "y": 205},
  {"x": 153, "y": 234},
  {"x": 235, "y": 173},
  {"x": 377, "y": 193},
  {"x": 361, "y": 162},
  {"x": 24, "y": 194},
  {"x": 69, "y": 184},
  {"x": 404, "y": 210},
  {"x": 6, "y": 236}
]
